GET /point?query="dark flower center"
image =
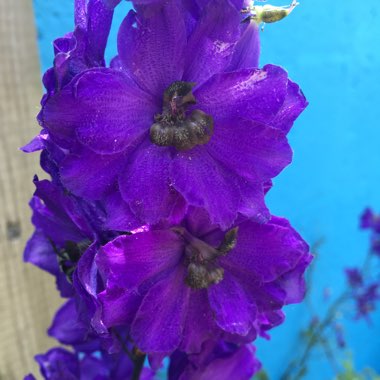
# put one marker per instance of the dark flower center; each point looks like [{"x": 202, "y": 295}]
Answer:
[
  {"x": 173, "y": 127},
  {"x": 203, "y": 269},
  {"x": 69, "y": 256}
]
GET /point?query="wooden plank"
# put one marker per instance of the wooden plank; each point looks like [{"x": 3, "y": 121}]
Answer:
[{"x": 28, "y": 297}]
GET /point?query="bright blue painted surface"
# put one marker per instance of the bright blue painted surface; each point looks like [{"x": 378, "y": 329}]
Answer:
[{"x": 332, "y": 50}]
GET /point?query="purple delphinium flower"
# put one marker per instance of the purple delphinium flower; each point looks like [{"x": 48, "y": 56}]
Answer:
[
  {"x": 60, "y": 364},
  {"x": 366, "y": 300},
  {"x": 175, "y": 287},
  {"x": 370, "y": 220},
  {"x": 154, "y": 221},
  {"x": 354, "y": 277},
  {"x": 179, "y": 114},
  {"x": 364, "y": 292},
  {"x": 216, "y": 361}
]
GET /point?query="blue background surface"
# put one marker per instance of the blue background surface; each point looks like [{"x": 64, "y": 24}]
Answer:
[{"x": 332, "y": 50}]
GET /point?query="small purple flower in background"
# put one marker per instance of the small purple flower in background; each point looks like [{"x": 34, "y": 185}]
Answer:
[
  {"x": 362, "y": 295},
  {"x": 371, "y": 221},
  {"x": 354, "y": 277},
  {"x": 364, "y": 291}
]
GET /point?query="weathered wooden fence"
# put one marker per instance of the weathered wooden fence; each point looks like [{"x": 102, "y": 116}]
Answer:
[{"x": 27, "y": 295}]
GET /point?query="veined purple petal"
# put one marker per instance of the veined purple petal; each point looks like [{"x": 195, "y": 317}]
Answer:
[
  {"x": 99, "y": 22},
  {"x": 102, "y": 108},
  {"x": 248, "y": 93},
  {"x": 252, "y": 204},
  {"x": 295, "y": 102},
  {"x": 119, "y": 306},
  {"x": 68, "y": 329},
  {"x": 131, "y": 259},
  {"x": 257, "y": 152},
  {"x": 196, "y": 175},
  {"x": 36, "y": 144},
  {"x": 160, "y": 319},
  {"x": 58, "y": 363},
  {"x": 119, "y": 214},
  {"x": 200, "y": 324},
  {"x": 233, "y": 311},
  {"x": 266, "y": 251},
  {"x": 211, "y": 45},
  {"x": 293, "y": 282},
  {"x": 145, "y": 183},
  {"x": 247, "y": 50},
  {"x": 153, "y": 50},
  {"x": 90, "y": 175},
  {"x": 218, "y": 360}
]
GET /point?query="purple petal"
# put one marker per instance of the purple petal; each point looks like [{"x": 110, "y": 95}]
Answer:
[
  {"x": 268, "y": 297},
  {"x": 98, "y": 28},
  {"x": 255, "y": 151},
  {"x": 295, "y": 102},
  {"x": 200, "y": 325},
  {"x": 68, "y": 329},
  {"x": 233, "y": 311},
  {"x": 252, "y": 202},
  {"x": 29, "y": 377},
  {"x": 93, "y": 368},
  {"x": 90, "y": 175},
  {"x": 217, "y": 360},
  {"x": 106, "y": 111},
  {"x": 111, "y": 3},
  {"x": 211, "y": 44},
  {"x": 80, "y": 13},
  {"x": 242, "y": 365},
  {"x": 119, "y": 215},
  {"x": 119, "y": 306},
  {"x": 131, "y": 259},
  {"x": 160, "y": 319},
  {"x": 145, "y": 183},
  {"x": 247, "y": 50},
  {"x": 153, "y": 51},
  {"x": 266, "y": 251},
  {"x": 58, "y": 363},
  {"x": 196, "y": 175},
  {"x": 293, "y": 282},
  {"x": 59, "y": 217},
  {"x": 40, "y": 252},
  {"x": 250, "y": 93},
  {"x": 36, "y": 144}
]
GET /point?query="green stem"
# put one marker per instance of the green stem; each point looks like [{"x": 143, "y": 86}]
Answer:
[{"x": 138, "y": 366}]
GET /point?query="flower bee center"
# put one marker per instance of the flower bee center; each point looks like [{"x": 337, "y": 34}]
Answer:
[
  {"x": 173, "y": 127},
  {"x": 203, "y": 268}
]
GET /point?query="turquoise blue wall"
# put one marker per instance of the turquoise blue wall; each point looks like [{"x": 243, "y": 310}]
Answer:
[{"x": 332, "y": 50}]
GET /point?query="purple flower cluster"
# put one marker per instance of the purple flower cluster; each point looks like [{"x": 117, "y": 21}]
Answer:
[
  {"x": 364, "y": 284},
  {"x": 154, "y": 220},
  {"x": 371, "y": 221}
]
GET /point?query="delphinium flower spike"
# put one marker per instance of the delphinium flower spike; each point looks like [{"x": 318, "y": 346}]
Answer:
[{"x": 154, "y": 221}]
